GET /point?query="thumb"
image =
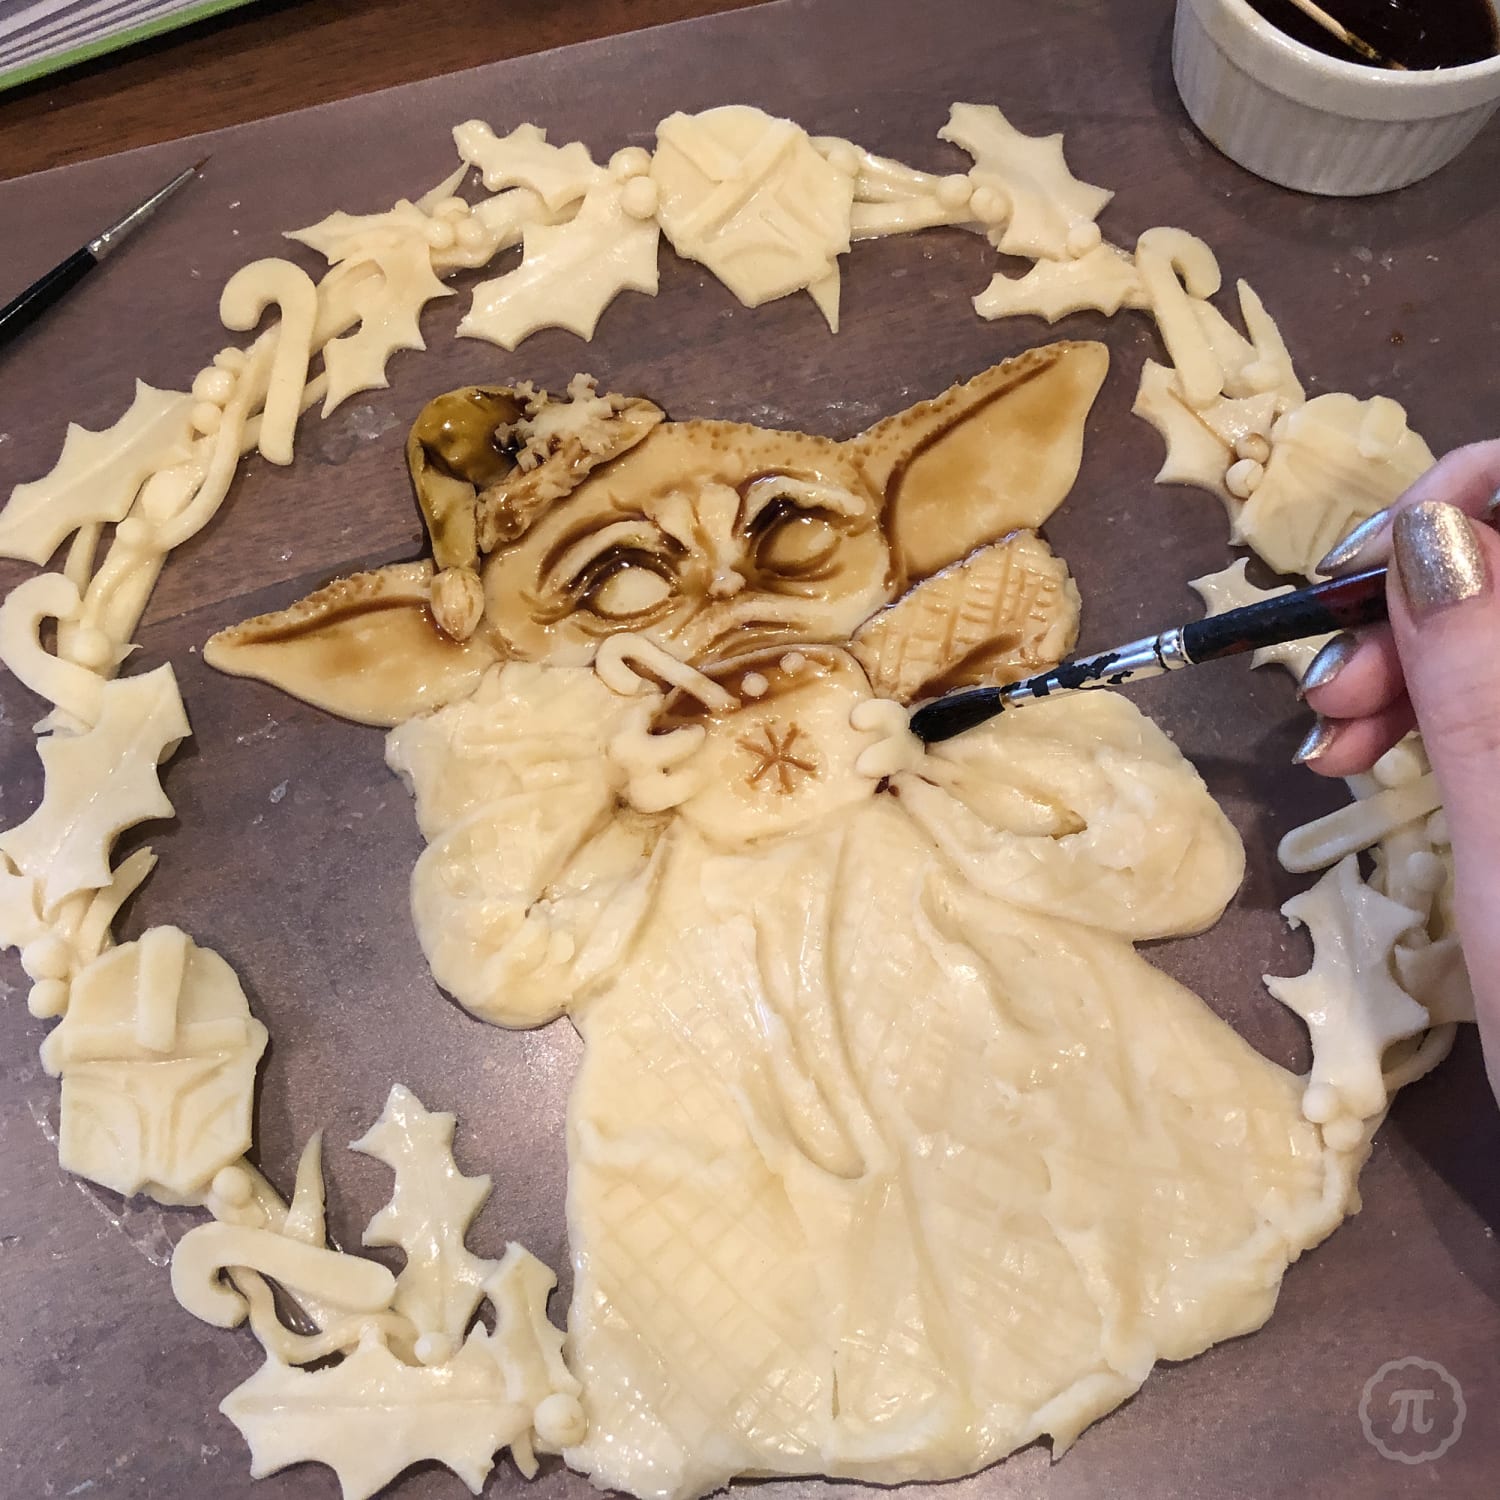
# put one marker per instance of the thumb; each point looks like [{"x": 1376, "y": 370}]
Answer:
[{"x": 1445, "y": 614}]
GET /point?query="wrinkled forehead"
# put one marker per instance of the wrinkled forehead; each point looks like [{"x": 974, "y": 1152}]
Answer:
[{"x": 687, "y": 458}]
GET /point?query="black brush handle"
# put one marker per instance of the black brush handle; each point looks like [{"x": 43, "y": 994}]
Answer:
[
  {"x": 20, "y": 312},
  {"x": 1340, "y": 604}
]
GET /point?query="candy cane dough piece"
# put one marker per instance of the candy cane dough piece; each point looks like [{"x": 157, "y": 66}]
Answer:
[
  {"x": 247, "y": 294},
  {"x": 70, "y": 688},
  {"x": 618, "y": 655},
  {"x": 1175, "y": 266},
  {"x": 1350, "y": 829},
  {"x": 349, "y": 1283}
]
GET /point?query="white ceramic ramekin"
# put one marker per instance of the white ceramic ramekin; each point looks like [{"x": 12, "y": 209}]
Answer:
[{"x": 1315, "y": 123}]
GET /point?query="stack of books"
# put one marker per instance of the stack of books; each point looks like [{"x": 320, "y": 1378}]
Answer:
[{"x": 40, "y": 36}]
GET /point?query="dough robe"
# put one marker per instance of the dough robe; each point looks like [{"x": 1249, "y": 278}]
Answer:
[{"x": 888, "y": 1153}]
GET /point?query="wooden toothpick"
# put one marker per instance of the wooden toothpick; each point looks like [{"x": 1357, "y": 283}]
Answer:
[{"x": 1354, "y": 43}]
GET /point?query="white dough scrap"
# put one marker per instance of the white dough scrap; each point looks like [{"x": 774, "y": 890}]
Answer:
[{"x": 750, "y": 197}]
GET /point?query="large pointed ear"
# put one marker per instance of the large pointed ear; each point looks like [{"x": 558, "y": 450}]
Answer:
[
  {"x": 994, "y": 455},
  {"x": 365, "y": 647}
]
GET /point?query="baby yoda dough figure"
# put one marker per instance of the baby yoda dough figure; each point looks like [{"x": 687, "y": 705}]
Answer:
[{"x": 889, "y": 1154}]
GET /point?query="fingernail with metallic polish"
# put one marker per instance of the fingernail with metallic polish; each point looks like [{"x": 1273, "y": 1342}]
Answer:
[
  {"x": 1364, "y": 547},
  {"x": 1328, "y": 663},
  {"x": 1438, "y": 557},
  {"x": 1490, "y": 515},
  {"x": 1319, "y": 738}
]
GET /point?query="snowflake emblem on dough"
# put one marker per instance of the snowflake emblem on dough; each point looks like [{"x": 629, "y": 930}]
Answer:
[
  {"x": 751, "y": 198},
  {"x": 776, "y": 759}
]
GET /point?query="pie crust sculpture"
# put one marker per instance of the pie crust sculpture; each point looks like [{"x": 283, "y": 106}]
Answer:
[
  {"x": 817, "y": 1227},
  {"x": 672, "y": 811}
]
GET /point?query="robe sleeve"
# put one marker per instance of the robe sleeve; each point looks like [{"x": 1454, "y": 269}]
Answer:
[
  {"x": 1081, "y": 808},
  {"x": 535, "y": 878}
]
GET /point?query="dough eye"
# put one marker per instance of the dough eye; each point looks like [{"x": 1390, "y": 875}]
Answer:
[
  {"x": 626, "y": 591},
  {"x": 797, "y": 543}
]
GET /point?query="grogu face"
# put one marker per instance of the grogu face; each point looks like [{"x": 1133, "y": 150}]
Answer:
[
  {"x": 556, "y": 524},
  {"x": 710, "y": 537}
]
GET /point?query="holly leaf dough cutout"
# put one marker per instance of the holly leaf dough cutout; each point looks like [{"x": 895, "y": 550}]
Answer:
[
  {"x": 389, "y": 304},
  {"x": 525, "y": 1341},
  {"x": 97, "y": 475},
  {"x": 1195, "y": 455},
  {"x": 1051, "y": 211},
  {"x": 569, "y": 273},
  {"x": 99, "y": 783},
  {"x": 389, "y": 307},
  {"x": 558, "y": 175},
  {"x": 1103, "y": 279},
  {"x": 1437, "y": 977},
  {"x": 428, "y": 1216},
  {"x": 1350, "y": 1000},
  {"x": 371, "y": 1416},
  {"x": 1230, "y": 589},
  {"x": 343, "y": 236},
  {"x": 20, "y": 920}
]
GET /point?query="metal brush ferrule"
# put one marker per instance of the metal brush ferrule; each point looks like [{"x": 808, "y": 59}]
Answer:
[{"x": 1149, "y": 657}]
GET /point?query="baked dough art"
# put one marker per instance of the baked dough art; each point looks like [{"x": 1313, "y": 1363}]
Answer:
[{"x": 878, "y": 1098}]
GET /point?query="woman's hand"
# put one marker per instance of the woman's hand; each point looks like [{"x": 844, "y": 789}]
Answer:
[{"x": 1435, "y": 666}]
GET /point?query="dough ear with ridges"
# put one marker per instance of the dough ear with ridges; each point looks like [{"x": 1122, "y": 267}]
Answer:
[
  {"x": 365, "y": 647},
  {"x": 996, "y": 454}
]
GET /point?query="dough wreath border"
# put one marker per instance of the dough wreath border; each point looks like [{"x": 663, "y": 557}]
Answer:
[{"x": 1387, "y": 985}]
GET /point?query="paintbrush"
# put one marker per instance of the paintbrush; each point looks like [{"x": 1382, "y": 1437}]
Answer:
[
  {"x": 52, "y": 286},
  {"x": 1341, "y": 604}
]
